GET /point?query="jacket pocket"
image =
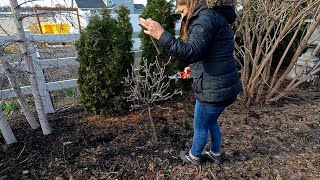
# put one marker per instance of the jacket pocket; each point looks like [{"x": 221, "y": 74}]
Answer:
[{"x": 197, "y": 81}]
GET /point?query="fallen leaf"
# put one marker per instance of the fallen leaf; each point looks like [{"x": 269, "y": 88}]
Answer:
[
  {"x": 151, "y": 167},
  {"x": 278, "y": 177}
]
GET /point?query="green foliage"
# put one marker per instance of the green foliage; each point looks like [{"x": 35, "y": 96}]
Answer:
[
  {"x": 305, "y": 136},
  {"x": 6, "y": 147},
  {"x": 127, "y": 30},
  {"x": 9, "y": 106},
  {"x": 162, "y": 12},
  {"x": 104, "y": 54}
]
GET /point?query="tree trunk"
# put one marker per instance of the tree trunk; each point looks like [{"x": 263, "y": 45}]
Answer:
[
  {"x": 6, "y": 129},
  {"x": 25, "y": 108},
  {"x": 153, "y": 126},
  {"x": 33, "y": 79}
]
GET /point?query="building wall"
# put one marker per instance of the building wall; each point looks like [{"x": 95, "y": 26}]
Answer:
[
  {"x": 137, "y": 11},
  {"x": 128, "y": 3}
]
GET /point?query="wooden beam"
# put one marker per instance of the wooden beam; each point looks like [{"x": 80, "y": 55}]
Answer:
[
  {"x": 51, "y": 86},
  {"x": 55, "y": 9}
]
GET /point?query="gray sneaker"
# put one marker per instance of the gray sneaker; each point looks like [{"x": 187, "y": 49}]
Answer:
[
  {"x": 184, "y": 155},
  {"x": 212, "y": 158}
]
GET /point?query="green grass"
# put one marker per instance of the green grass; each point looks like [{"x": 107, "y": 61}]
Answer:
[
  {"x": 70, "y": 92},
  {"x": 5, "y": 147},
  {"x": 58, "y": 97},
  {"x": 260, "y": 134},
  {"x": 9, "y": 106},
  {"x": 305, "y": 136},
  {"x": 65, "y": 97}
]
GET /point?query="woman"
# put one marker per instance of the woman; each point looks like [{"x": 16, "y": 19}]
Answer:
[{"x": 207, "y": 44}]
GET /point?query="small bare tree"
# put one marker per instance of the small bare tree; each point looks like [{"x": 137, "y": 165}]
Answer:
[
  {"x": 263, "y": 26},
  {"x": 147, "y": 85}
]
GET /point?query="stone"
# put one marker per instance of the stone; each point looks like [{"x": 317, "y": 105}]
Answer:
[{"x": 300, "y": 69}]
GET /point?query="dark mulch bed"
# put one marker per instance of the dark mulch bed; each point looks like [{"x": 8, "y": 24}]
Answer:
[{"x": 276, "y": 141}]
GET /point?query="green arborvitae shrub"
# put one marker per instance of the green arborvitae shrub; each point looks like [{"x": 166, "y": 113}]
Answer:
[
  {"x": 104, "y": 55},
  {"x": 162, "y": 11},
  {"x": 125, "y": 36}
]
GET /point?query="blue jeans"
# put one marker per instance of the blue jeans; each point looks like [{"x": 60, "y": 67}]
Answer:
[{"x": 205, "y": 121}]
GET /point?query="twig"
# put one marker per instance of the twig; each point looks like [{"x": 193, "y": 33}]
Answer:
[
  {"x": 165, "y": 108},
  {"x": 63, "y": 109},
  {"x": 27, "y": 158},
  {"x": 155, "y": 45},
  {"x": 4, "y": 30},
  {"x": 22, "y": 150},
  {"x": 141, "y": 114},
  {"x": 32, "y": 14},
  {"x": 6, "y": 169},
  {"x": 26, "y": 2}
]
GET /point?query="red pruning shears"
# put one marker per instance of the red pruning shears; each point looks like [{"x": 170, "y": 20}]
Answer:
[{"x": 180, "y": 75}]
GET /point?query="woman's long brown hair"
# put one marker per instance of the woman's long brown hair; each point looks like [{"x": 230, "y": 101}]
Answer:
[{"x": 191, "y": 5}]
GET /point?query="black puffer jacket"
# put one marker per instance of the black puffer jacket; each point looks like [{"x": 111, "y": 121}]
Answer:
[{"x": 209, "y": 48}]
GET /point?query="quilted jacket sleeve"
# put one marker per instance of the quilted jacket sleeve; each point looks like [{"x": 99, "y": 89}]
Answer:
[{"x": 200, "y": 34}]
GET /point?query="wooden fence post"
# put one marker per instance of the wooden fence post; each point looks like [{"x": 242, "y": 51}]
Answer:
[
  {"x": 45, "y": 96},
  {"x": 5, "y": 129}
]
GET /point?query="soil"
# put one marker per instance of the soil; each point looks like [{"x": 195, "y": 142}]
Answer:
[{"x": 275, "y": 141}]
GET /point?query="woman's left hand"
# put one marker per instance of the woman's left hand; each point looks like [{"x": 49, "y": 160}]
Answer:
[
  {"x": 187, "y": 71},
  {"x": 153, "y": 28}
]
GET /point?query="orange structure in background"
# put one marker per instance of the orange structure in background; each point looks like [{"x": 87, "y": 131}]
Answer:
[{"x": 56, "y": 28}]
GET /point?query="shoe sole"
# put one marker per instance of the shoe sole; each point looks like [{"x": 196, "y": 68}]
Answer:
[{"x": 210, "y": 158}]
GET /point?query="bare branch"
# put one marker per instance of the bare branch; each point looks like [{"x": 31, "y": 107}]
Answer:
[
  {"x": 263, "y": 26},
  {"x": 25, "y": 3}
]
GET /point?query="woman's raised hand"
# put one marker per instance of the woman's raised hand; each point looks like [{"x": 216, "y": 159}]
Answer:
[{"x": 152, "y": 28}]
